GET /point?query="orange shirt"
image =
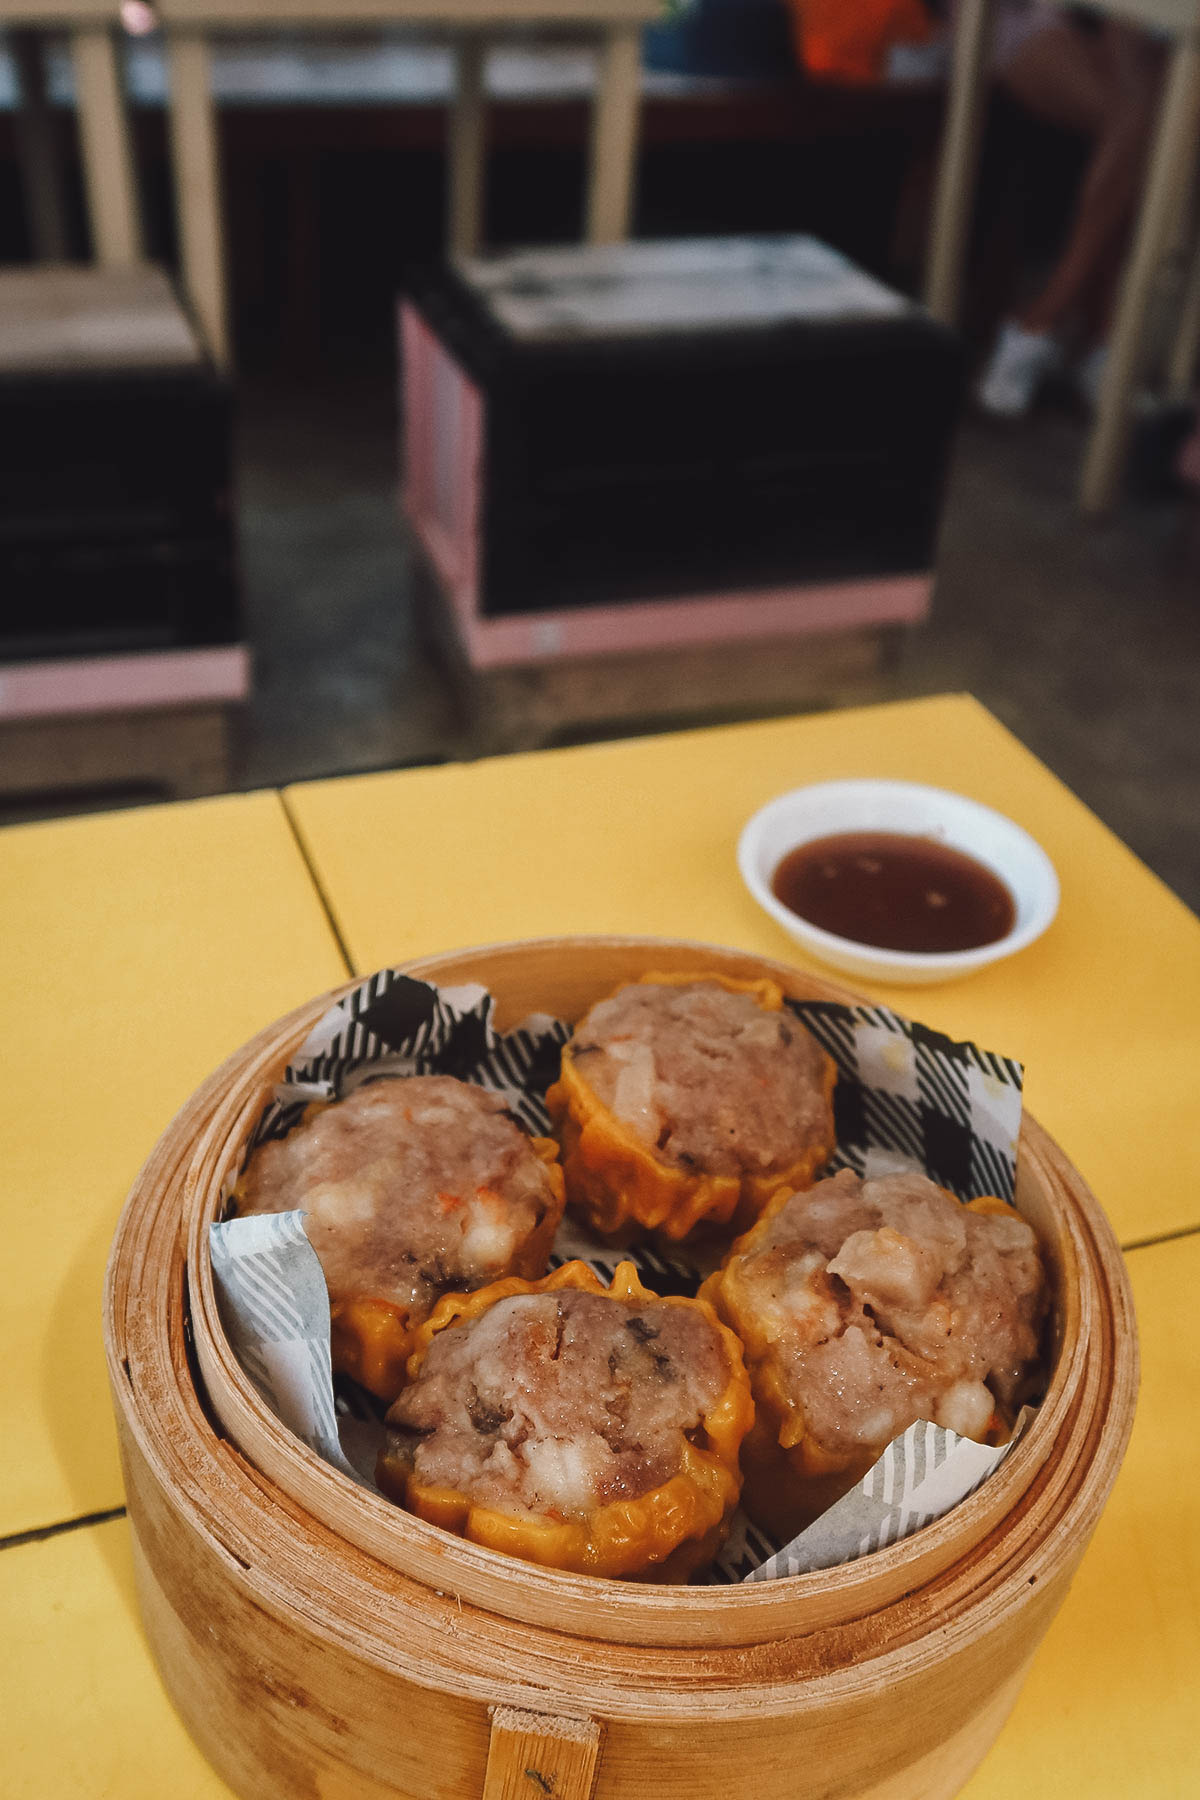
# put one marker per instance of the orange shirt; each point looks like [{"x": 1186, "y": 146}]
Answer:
[{"x": 849, "y": 40}]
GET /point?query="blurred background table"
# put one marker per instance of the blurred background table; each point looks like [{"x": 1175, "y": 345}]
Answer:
[
  {"x": 140, "y": 948},
  {"x": 617, "y": 23},
  {"x": 108, "y": 164}
]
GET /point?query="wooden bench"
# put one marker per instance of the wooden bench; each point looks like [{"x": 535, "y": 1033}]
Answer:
[{"x": 153, "y": 714}]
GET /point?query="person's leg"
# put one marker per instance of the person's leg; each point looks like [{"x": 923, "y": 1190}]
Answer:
[
  {"x": 1062, "y": 75},
  {"x": 1058, "y": 75},
  {"x": 1102, "y": 86},
  {"x": 1113, "y": 73}
]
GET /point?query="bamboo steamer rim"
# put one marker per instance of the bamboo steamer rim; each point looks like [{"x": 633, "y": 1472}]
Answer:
[
  {"x": 239, "y": 1522},
  {"x": 1087, "y": 1270}
]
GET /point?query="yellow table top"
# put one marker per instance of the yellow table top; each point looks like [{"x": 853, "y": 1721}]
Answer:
[
  {"x": 1110, "y": 1704},
  {"x": 1108, "y": 1709},
  {"x": 639, "y": 837},
  {"x": 140, "y": 949}
]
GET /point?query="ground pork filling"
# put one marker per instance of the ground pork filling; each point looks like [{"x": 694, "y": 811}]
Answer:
[
  {"x": 886, "y": 1302},
  {"x": 708, "y": 1079},
  {"x": 409, "y": 1187},
  {"x": 556, "y": 1404}
]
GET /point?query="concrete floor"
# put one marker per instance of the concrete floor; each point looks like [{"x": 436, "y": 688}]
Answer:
[{"x": 1082, "y": 638}]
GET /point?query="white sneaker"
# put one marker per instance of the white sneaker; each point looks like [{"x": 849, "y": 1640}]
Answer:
[{"x": 1019, "y": 364}]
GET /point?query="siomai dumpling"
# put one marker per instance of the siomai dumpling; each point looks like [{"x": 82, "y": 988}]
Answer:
[
  {"x": 864, "y": 1306},
  {"x": 411, "y": 1188},
  {"x": 580, "y": 1427},
  {"x": 687, "y": 1100}
]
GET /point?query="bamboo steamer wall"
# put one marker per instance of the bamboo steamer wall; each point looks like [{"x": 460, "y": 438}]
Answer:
[{"x": 318, "y": 1641}]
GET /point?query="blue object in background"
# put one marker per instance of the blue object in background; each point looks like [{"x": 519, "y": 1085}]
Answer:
[{"x": 744, "y": 40}]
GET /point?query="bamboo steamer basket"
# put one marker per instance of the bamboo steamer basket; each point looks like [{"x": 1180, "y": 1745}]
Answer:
[{"x": 320, "y": 1642}]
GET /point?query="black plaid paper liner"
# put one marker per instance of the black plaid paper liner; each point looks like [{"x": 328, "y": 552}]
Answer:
[
  {"x": 906, "y": 1097},
  {"x": 393, "y": 1025}
]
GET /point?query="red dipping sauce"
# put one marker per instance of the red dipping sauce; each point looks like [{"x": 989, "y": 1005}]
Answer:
[{"x": 895, "y": 892}]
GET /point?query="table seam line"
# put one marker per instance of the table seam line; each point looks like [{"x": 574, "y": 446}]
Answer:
[
  {"x": 313, "y": 875},
  {"x": 39, "y": 1533},
  {"x": 1162, "y": 1237}
]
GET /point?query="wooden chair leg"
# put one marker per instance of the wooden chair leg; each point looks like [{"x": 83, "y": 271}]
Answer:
[
  {"x": 958, "y": 161},
  {"x": 198, "y": 188},
  {"x": 107, "y": 151},
  {"x": 1174, "y": 147},
  {"x": 614, "y": 136},
  {"x": 467, "y": 148},
  {"x": 1185, "y": 351}
]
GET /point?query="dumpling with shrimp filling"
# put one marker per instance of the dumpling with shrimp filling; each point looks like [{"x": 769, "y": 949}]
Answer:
[
  {"x": 411, "y": 1188},
  {"x": 688, "y": 1100},
  {"x": 583, "y": 1428},
  {"x": 864, "y": 1306}
]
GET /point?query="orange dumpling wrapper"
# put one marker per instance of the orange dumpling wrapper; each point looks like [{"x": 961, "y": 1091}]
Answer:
[
  {"x": 617, "y": 1181},
  {"x": 790, "y": 1478},
  {"x": 664, "y": 1534},
  {"x": 372, "y": 1339}
]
